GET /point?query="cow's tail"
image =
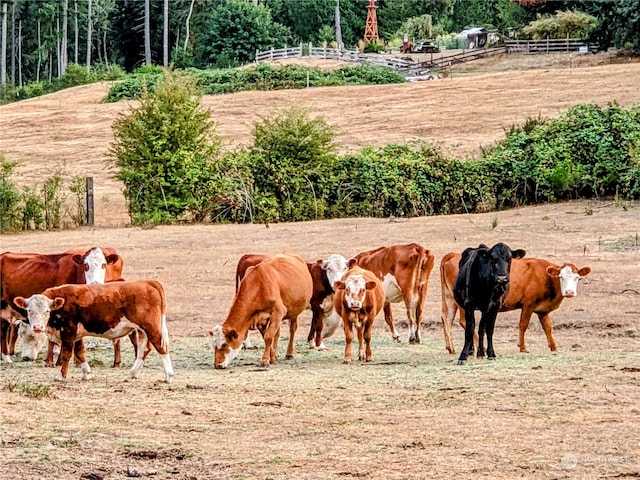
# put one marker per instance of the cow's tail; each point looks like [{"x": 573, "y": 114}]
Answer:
[
  {"x": 163, "y": 309},
  {"x": 165, "y": 333}
]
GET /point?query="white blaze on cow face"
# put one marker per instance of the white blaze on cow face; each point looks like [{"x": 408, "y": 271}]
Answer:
[
  {"x": 95, "y": 265},
  {"x": 569, "y": 277},
  {"x": 223, "y": 353},
  {"x": 355, "y": 290},
  {"x": 32, "y": 342},
  {"x": 39, "y": 308},
  {"x": 335, "y": 266}
]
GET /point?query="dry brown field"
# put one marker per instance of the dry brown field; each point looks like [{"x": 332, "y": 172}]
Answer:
[{"x": 412, "y": 413}]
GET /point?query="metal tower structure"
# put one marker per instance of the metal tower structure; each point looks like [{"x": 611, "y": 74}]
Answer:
[{"x": 371, "y": 27}]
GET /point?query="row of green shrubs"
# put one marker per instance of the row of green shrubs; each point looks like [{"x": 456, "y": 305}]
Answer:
[
  {"x": 292, "y": 172},
  {"x": 74, "y": 75},
  {"x": 261, "y": 76}
]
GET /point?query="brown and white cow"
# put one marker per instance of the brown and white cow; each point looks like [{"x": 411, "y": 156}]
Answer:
[
  {"x": 404, "y": 270},
  {"x": 277, "y": 288},
  {"x": 324, "y": 273},
  {"x": 358, "y": 299},
  {"x": 536, "y": 286},
  {"x": 111, "y": 310},
  {"x": 24, "y": 274}
]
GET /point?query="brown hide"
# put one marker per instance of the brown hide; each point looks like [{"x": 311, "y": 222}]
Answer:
[
  {"x": 411, "y": 265},
  {"x": 100, "y": 307},
  {"x": 363, "y": 318},
  {"x": 277, "y": 288},
  {"x": 531, "y": 289},
  {"x": 25, "y": 274}
]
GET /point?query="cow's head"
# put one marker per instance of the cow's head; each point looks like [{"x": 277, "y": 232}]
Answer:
[
  {"x": 569, "y": 276},
  {"x": 335, "y": 266},
  {"x": 39, "y": 308},
  {"x": 355, "y": 290},
  {"x": 95, "y": 263},
  {"x": 500, "y": 256},
  {"x": 32, "y": 342},
  {"x": 226, "y": 346}
]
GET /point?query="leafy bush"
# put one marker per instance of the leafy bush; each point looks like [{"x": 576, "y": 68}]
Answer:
[
  {"x": 164, "y": 152},
  {"x": 259, "y": 77},
  {"x": 9, "y": 197}
]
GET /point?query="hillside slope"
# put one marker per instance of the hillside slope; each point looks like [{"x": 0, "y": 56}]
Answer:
[{"x": 72, "y": 129}]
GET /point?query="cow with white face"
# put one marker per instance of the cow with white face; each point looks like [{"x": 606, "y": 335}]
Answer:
[
  {"x": 569, "y": 276},
  {"x": 95, "y": 265},
  {"x": 358, "y": 299},
  {"x": 32, "y": 342}
]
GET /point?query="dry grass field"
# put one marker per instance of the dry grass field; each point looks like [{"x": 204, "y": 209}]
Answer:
[{"x": 412, "y": 413}]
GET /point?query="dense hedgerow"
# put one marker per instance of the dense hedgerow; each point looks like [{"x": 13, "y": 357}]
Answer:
[{"x": 259, "y": 77}]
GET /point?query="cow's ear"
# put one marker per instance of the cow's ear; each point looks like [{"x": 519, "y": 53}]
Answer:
[
  {"x": 519, "y": 253},
  {"x": 20, "y": 302},
  {"x": 339, "y": 285},
  {"x": 79, "y": 259},
  {"x": 553, "y": 271},
  {"x": 584, "y": 271},
  {"x": 370, "y": 285},
  {"x": 351, "y": 262},
  {"x": 57, "y": 304},
  {"x": 111, "y": 259}
]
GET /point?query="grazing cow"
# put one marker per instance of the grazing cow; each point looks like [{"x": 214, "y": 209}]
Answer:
[
  {"x": 24, "y": 274},
  {"x": 109, "y": 310},
  {"x": 358, "y": 299},
  {"x": 536, "y": 286},
  {"x": 405, "y": 271},
  {"x": 324, "y": 274},
  {"x": 481, "y": 284},
  {"x": 277, "y": 288}
]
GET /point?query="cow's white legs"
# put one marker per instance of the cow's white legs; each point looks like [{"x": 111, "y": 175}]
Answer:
[
  {"x": 86, "y": 371},
  {"x": 137, "y": 365},
  {"x": 168, "y": 367},
  {"x": 5, "y": 358}
]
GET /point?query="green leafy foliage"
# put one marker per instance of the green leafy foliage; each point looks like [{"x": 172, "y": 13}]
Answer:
[
  {"x": 164, "y": 152},
  {"x": 9, "y": 197},
  {"x": 259, "y": 77}
]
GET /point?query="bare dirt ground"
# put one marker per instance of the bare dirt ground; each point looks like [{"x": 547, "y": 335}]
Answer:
[
  {"x": 410, "y": 414},
  {"x": 470, "y": 109}
]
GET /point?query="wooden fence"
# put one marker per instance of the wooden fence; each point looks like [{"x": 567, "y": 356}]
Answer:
[
  {"x": 534, "y": 47},
  {"x": 304, "y": 50}
]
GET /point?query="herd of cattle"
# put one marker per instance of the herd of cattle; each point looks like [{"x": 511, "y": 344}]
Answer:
[{"x": 57, "y": 299}]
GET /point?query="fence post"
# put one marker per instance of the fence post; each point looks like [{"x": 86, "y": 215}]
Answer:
[
  {"x": 90, "y": 203},
  {"x": 300, "y": 55},
  {"x": 257, "y": 53},
  {"x": 310, "y": 47}
]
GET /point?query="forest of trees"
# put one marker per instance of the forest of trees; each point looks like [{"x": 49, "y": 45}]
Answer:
[{"x": 40, "y": 38}]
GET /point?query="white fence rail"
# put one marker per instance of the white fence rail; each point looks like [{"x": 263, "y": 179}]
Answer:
[{"x": 306, "y": 50}]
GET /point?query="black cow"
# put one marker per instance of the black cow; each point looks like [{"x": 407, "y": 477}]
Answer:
[{"x": 481, "y": 284}]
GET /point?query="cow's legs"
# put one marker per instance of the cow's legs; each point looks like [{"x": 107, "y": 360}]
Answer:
[
  {"x": 159, "y": 338},
  {"x": 13, "y": 337},
  {"x": 481, "y": 331},
  {"x": 547, "y": 326},
  {"x": 489, "y": 325},
  {"x": 388, "y": 317},
  {"x": 291, "y": 347},
  {"x": 461, "y": 320},
  {"x": 117, "y": 355},
  {"x": 81, "y": 359},
  {"x": 5, "y": 329},
  {"x": 314, "y": 339},
  {"x": 67, "y": 347},
  {"x": 414, "y": 314},
  {"x": 143, "y": 340},
  {"x": 271, "y": 335},
  {"x": 368, "y": 327},
  {"x": 361, "y": 349},
  {"x": 348, "y": 339},
  {"x": 525, "y": 318},
  {"x": 468, "y": 336},
  {"x": 448, "y": 315}
]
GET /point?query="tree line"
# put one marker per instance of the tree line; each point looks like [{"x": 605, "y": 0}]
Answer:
[{"x": 40, "y": 38}]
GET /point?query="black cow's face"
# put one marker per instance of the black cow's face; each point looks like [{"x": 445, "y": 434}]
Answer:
[{"x": 500, "y": 258}]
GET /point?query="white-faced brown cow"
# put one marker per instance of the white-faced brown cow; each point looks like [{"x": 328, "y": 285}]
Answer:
[
  {"x": 277, "y": 288},
  {"x": 536, "y": 286},
  {"x": 358, "y": 299},
  {"x": 404, "y": 270},
  {"x": 111, "y": 310},
  {"x": 24, "y": 274},
  {"x": 324, "y": 274}
]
